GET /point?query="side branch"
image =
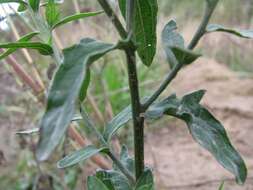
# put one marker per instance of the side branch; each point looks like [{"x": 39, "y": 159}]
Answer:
[{"x": 199, "y": 33}]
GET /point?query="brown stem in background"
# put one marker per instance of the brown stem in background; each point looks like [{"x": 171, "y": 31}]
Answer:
[{"x": 25, "y": 52}]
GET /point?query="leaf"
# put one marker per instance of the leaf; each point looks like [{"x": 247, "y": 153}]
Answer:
[
  {"x": 28, "y": 132},
  {"x": 212, "y": 3},
  {"x": 75, "y": 17},
  {"x": 34, "y": 4},
  {"x": 117, "y": 122},
  {"x": 144, "y": 28},
  {"x": 184, "y": 56},
  {"x": 146, "y": 181},
  {"x": 78, "y": 156},
  {"x": 44, "y": 49},
  {"x": 22, "y": 7},
  {"x": 173, "y": 44},
  {"x": 222, "y": 186},
  {"x": 126, "y": 160},
  {"x": 85, "y": 85},
  {"x": 204, "y": 128},
  {"x": 65, "y": 90},
  {"x": 22, "y": 39},
  {"x": 170, "y": 39},
  {"x": 13, "y": 1},
  {"x": 237, "y": 32},
  {"x": 52, "y": 13},
  {"x": 93, "y": 183},
  {"x": 114, "y": 180}
]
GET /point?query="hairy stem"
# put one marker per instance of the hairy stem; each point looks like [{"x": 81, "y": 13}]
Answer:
[
  {"x": 115, "y": 20},
  {"x": 199, "y": 33},
  {"x": 138, "y": 121}
]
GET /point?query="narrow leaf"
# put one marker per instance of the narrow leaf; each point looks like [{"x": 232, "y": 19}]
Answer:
[
  {"x": 146, "y": 181},
  {"x": 65, "y": 91},
  {"x": 22, "y": 39},
  {"x": 204, "y": 128},
  {"x": 44, "y": 49},
  {"x": 75, "y": 17},
  {"x": 117, "y": 122},
  {"x": 28, "y": 132},
  {"x": 144, "y": 28},
  {"x": 78, "y": 156},
  {"x": 85, "y": 85},
  {"x": 34, "y": 4},
  {"x": 237, "y": 32},
  {"x": 222, "y": 186},
  {"x": 212, "y": 3},
  {"x": 93, "y": 183},
  {"x": 52, "y": 13},
  {"x": 13, "y": 1},
  {"x": 113, "y": 180}
]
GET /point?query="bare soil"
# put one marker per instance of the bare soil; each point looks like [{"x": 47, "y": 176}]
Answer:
[{"x": 179, "y": 162}]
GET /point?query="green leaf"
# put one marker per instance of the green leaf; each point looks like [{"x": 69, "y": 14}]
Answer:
[
  {"x": 173, "y": 44},
  {"x": 204, "y": 128},
  {"x": 146, "y": 181},
  {"x": 75, "y": 17},
  {"x": 222, "y": 186},
  {"x": 126, "y": 160},
  {"x": 212, "y": 3},
  {"x": 113, "y": 180},
  {"x": 78, "y": 156},
  {"x": 34, "y": 4},
  {"x": 144, "y": 28},
  {"x": 237, "y": 32},
  {"x": 170, "y": 38},
  {"x": 117, "y": 122},
  {"x": 13, "y": 1},
  {"x": 44, "y": 49},
  {"x": 25, "y": 38},
  {"x": 65, "y": 90},
  {"x": 22, "y": 7},
  {"x": 93, "y": 183},
  {"x": 52, "y": 13},
  {"x": 184, "y": 56},
  {"x": 85, "y": 85}
]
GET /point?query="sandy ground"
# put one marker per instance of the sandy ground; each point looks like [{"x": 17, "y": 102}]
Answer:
[{"x": 178, "y": 161}]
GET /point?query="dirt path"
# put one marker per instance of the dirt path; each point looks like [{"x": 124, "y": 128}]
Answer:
[{"x": 178, "y": 161}]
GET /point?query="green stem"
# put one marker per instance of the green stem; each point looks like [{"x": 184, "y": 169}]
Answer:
[
  {"x": 138, "y": 120},
  {"x": 202, "y": 27},
  {"x": 113, "y": 17},
  {"x": 199, "y": 33}
]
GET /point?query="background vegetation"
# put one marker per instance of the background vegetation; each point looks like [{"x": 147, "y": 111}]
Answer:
[{"x": 19, "y": 109}]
